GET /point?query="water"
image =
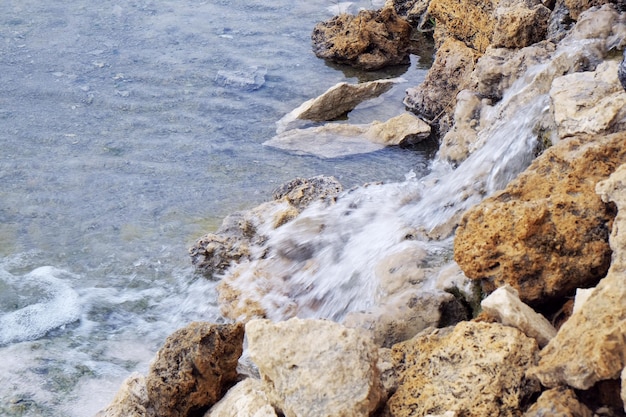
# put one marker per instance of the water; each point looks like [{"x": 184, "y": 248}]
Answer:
[{"x": 128, "y": 130}]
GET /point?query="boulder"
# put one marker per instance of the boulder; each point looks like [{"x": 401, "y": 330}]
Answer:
[
  {"x": 474, "y": 369},
  {"x": 590, "y": 346},
  {"x": 546, "y": 233},
  {"x": 316, "y": 368},
  {"x": 519, "y": 23},
  {"x": 130, "y": 400},
  {"x": 246, "y": 399},
  {"x": 193, "y": 368},
  {"x": 560, "y": 401},
  {"x": 370, "y": 40}
]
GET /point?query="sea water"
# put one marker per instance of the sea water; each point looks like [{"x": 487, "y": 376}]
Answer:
[{"x": 127, "y": 130}]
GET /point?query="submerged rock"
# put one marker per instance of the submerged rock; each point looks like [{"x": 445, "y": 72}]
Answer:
[{"x": 247, "y": 80}]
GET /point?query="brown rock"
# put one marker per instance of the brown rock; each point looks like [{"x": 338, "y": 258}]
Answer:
[
  {"x": 370, "y": 40},
  {"x": 560, "y": 402},
  {"x": 546, "y": 234},
  {"x": 591, "y": 345},
  {"x": 519, "y": 24},
  {"x": 475, "y": 369},
  {"x": 193, "y": 368},
  {"x": 576, "y": 7}
]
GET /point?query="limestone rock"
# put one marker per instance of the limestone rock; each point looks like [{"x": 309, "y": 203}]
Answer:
[
  {"x": 246, "y": 399},
  {"x": 316, "y": 368},
  {"x": 576, "y": 7},
  {"x": 589, "y": 102},
  {"x": 560, "y": 401},
  {"x": 590, "y": 346},
  {"x": 546, "y": 233},
  {"x": 475, "y": 369},
  {"x": 504, "y": 304},
  {"x": 519, "y": 24},
  {"x": 130, "y": 400},
  {"x": 336, "y": 101},
  {"x": 301, "y": 192},
  {"x": 194, "y": 366},
  {"x": 370, "y": 40}
]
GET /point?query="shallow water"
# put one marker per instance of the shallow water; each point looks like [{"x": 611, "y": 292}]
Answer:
[{"x": 128, "y": 130}]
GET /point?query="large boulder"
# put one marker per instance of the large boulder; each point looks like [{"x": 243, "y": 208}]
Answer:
[
  {"x": 519, "y": 23},
  {"x": 475, "y": 369},
  {"x": 370, "y": 40},
  {"x": 193, "y": 368},
  {"x": 546, "y": 233},
  {"x": 316, "y": 368},
  {"x": 590, "y": 346}
]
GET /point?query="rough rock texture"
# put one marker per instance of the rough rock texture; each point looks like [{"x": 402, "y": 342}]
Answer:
[
  {"x": 370, "y": 40},
  {"x": 623, "y": 388},
  {"x": 576, "y": 7},
  {"x": 475, "y": 369},
  {"x": 591, "y": 345},
  {"x": 505, "y": 306},
  {"x": 246, "y": 399},
  {"x": 316, "y": 368},
  {"x": 546, "y": 233},
  {"x": 519, "y": 24},
  {"x": 194, "y": 366},
  {"x": 589, "y": 102},
  {"x": 621, "y": 72},
  {"x": 240, "y": 231},
  {"x": 561, "y": 402},
  {"x": 130, "y": 400}
]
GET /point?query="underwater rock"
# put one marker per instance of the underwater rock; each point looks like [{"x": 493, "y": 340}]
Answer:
[
  {"x": 246, "y": 399},
  {"x": 131, "y": 399},
  {"x": 590, "y": 346},
  {"x": 546, "y": 233},
  {"x": 560, "y": 401},
  {"x": 370, "y": 40},
  {"x": 194, "y": 366},
  {"x": 475, "y": 369},
  {"x": 316, "y": 368},
  {"x": 246, "y": 80}
]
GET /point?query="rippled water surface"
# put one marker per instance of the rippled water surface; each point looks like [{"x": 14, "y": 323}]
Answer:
[{"x": 126, "y": 132}]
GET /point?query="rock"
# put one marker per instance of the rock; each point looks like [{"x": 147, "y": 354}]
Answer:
[
  {"x": 194, "y": 366},
  {"x": 546, "y": 233},
  {"x": 316, "y": 368},
  {"x": 335, "y": 140},
  {"x": 130, "y": 400},
  {"x": 623, "y": 388},
  {"x": 589, "y": 102},
  {"x": 621, "y": 72},
  {"x": 246, "y": 399},
  {"x": 474, "y": 369},
  {"x": 590, "y": 346},
  {"x": 582, "y": 295},
  {"x": 449, "y": 74},
  {"x": 370, "y": 40},
  {"x": 246, "y": 80},
  {"x": 560, "y": 401},
  {"x": 336, "y": 101},
  {"x": 301, "y": 192},
  {"x": 519, "y": 24},
  {"x": 576, "y": 7},
  {"x": 505, "y": 306}
]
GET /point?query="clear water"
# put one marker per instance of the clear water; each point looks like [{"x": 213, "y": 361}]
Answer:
[{"x": 120, "y": 144}]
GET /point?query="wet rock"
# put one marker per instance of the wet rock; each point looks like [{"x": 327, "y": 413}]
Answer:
[
  {"x": 505, "y": 306},
  {"x": 246, "y": 399},
  {"x": 590, "y": 346},
  {"x": 130, "y": 400},
  {"x": 193, "y": 368},
  {"x": 246, "y": 80},
  {"x": 474, "y": 369},
  {"x": 336, "y": 101},
  {"x": 519, "y": 24},
  {"x": 546, "y": 233},
  {"x": 316, "y": 368},
  {"x": 560, "y": 401},
  {"x": 301, "y": 192},
  {"x": 370, "y": 40},
  {"x": 621, "y": 71},
  {"x": 334, "y": 140},
  {"x": 589, "y": 102}
]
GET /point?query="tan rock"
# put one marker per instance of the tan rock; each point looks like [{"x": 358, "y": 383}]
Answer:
[
  {"x": 623, "y": 388},
  {"x": 504, "y": 305},
  {"x": 316, "y": 368},
  {"x": 519, "y": 24},
  {"x": 130, "y": 400},
  {"x": 561, "y": 402},
  {"x": 590, "y": 346},
  {"x": 193, "y": 368},
  {"x": 576, "y": 7},
  {"x": 475, "y": 369},
  {"x": 246, "y": 399},
  {"x": 546, "y": 233}
]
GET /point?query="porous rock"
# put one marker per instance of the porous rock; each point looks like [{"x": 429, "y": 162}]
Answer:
[
  {"x": 130, "y": 400},
  {"x": 590, "y": 346},
  {"x": 546, "y": 233},
  {"x": 561, "y": 402},
  {"x": 316, "y": 368},
  {"x": 576, "y": 7},
  {"x": 246, "y": 399},
  {"x": 370, "y": 40},
  {"x": 474, "y": 369},
  {"x": 193, "y": 368},
  {"x": 519, "y": 23}
]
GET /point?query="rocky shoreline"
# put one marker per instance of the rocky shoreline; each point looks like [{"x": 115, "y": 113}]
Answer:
[{"x": 530, "y": 318}]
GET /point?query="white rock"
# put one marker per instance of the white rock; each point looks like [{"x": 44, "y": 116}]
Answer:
[
  {"x": 582, "y": 294},
  {"x": 246, "y": 399}
]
